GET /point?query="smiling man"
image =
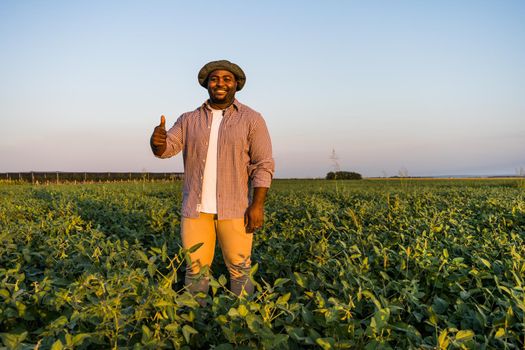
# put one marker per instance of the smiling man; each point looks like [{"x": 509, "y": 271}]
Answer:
[{"x": 228, "y": 168}]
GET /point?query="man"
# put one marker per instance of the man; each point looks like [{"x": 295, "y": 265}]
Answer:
[{"x": 228, "y": 168}]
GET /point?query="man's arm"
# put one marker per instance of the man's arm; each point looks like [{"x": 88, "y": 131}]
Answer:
[
  {"x": 261, "y": 172},
  {"x": 262, "y": 165}
]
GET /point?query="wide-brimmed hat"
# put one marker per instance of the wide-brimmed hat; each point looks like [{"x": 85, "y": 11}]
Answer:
[{"x": 222, "y": 64}]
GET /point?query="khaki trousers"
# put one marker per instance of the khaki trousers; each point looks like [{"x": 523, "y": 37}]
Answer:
[{"x": 235, "y": 244}]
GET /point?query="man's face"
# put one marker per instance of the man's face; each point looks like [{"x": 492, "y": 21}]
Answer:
[{"x": 222, "y": 86}]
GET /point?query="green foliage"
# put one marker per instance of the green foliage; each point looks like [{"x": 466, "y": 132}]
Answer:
[
  {"x": 343, "y": 175},
  {"x": 365, "y": 265}
]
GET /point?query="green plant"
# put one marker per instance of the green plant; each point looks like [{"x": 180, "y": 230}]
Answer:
[{"x": 365, "y": 265}]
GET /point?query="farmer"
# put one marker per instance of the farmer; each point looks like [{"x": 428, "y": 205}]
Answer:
[{"x": 228, "y": 168}]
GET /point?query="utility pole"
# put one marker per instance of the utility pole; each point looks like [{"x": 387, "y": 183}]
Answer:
[{"x": 335, "y": 160}]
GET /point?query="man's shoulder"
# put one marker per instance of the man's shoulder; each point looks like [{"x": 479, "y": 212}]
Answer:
[
  {"x": 247, "y": 111},
  {"x": 191, "y": 114}
]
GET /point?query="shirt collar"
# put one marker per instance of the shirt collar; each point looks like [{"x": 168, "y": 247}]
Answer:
[{"x": 236, "y": 105}]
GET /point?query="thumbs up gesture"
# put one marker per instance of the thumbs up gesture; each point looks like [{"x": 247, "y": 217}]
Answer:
[{"x": 158, "y": 139}]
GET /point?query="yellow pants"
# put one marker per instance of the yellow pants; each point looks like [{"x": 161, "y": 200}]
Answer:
[{"x": 236, "y": 247}]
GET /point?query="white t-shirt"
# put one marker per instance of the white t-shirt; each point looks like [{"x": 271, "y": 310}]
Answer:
[{"x": 209, "y": 181}]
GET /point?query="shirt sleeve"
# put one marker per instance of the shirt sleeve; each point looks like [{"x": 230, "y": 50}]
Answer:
[
  {"x": 174, "y": 139},
  {"x": 262, "y": 165}
]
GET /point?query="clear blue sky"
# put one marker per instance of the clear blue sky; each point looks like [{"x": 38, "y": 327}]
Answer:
[{"x": 422, "y": 87}]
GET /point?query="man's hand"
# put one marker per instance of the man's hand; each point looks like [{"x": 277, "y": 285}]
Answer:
[
  {"x": 254, "y": 215},
  {"x": 253, "y": 218},
  {"x": 158, "y": 139}
]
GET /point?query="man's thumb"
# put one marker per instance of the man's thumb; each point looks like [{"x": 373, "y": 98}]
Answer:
[{"x": 162, "y": 122}]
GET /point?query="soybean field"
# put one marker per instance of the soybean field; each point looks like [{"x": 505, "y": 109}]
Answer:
[{"x": 370, "y": 264}]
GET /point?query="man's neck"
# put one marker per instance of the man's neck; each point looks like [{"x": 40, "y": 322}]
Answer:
[{"x": 215, "y": 105}]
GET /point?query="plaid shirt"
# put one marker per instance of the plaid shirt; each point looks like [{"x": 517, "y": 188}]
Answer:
[{"x": 244, "y": 157}]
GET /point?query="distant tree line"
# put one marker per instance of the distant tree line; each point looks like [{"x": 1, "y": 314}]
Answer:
[
  {"x": 343, "y": 175},
  {"x": 58, "y": 176}
]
